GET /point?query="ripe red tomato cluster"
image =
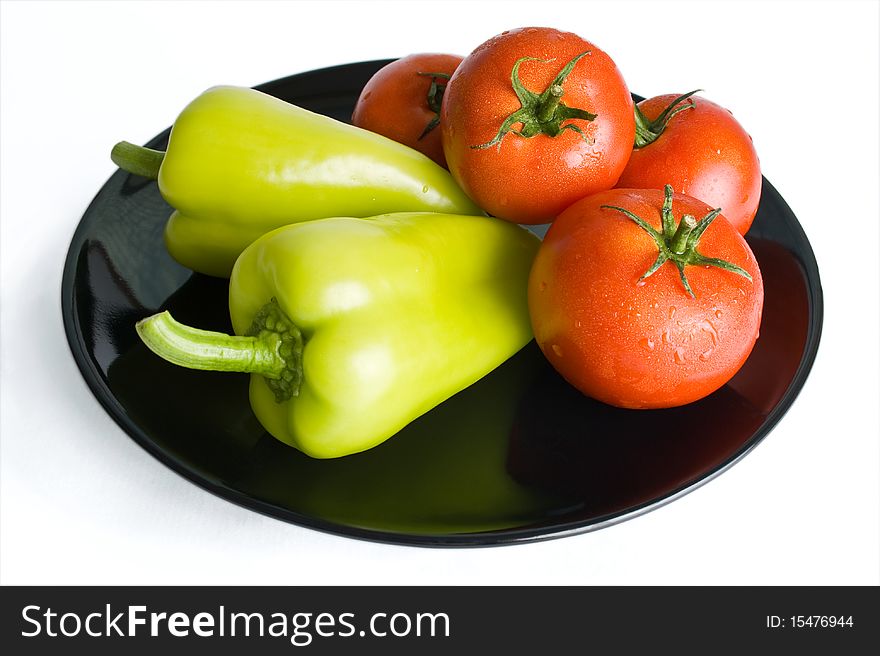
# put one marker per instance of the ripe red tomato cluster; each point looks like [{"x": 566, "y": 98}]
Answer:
[{"x": 644, "y": 293}]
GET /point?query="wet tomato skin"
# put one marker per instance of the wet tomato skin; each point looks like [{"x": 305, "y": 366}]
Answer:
[
  {"x": 703, "y": 152},
  {"x": 394, "y": 102},
  {"x": 643, "y": 344},
  {"x": 531, "y": 180}
]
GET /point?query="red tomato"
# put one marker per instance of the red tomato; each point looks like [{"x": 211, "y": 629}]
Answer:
[
  {"x": 643, "y": 341},
  {"x": 402, "y": 101},
  {"x": 577, "y": 147},
  {"x": 702, "y": 152}
]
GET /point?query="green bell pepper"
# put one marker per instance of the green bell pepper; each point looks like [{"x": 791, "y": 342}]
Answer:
[
  {"x": 355, "y": 327},
  {"x": 240, "y": 163}
]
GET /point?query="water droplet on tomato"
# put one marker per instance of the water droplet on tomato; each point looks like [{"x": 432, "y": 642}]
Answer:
[
  {"x": 543, "y": 285},
  {"x": 679, "y": 356},
  {"x": 640, "y": 283},
  {"x": 704, "y": 356},
  {"x": 557, "y": 350},
  {"x": 718, "y": 314},
  {"x": 647, "y": 343},
  {"x": 672, "y": 312},
  {"x": 709, "y": 327}
]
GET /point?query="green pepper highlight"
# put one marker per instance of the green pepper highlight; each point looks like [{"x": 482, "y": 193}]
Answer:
[
  {"x": 353, "y": 327},
  {"x": 241, "y": 163}
]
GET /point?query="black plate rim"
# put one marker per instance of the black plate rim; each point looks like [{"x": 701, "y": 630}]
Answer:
[{"x": 539, "y": 532}]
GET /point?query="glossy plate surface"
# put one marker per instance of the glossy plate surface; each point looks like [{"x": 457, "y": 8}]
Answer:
[{"x": 516, "y": 457}]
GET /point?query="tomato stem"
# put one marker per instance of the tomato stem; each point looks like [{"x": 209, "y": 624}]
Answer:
[
  {"x": 546, "y": 108},
  {"x": 434, "y": 100},
  {"x": 678, "y": 243},
  {"x": 543, "y": 113},
  {"x": 648, "y": 131}
]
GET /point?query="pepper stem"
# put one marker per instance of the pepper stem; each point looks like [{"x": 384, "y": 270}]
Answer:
[
  {"x": 194, "y": 348},
  {"x": 272, "y": 348},
  {"x": 138, "y": 160}
]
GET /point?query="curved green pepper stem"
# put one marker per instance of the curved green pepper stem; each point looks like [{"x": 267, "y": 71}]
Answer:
[
  {"x": 542, "y": 113},
  {"x": 648, "y": 131},
  {"x": 678, "y": 244},
  {"x": 272, "y": 347},
  {"x": 138, "y": 160}
]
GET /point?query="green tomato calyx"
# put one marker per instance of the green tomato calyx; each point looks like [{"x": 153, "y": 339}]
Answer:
[
  {"x": 648, "y": 131},
  {"x": 434, "y": 99},
  {"x": 271, "y": 347},
  {"x": 678, "y": 243},
  {"x": 542, "y": 113}
]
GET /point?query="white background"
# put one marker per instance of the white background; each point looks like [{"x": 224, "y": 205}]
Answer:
[{"x": 83, "y": 504}]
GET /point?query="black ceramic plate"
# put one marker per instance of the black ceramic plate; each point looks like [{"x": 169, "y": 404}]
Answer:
[{"x": 516, "y": 457}]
